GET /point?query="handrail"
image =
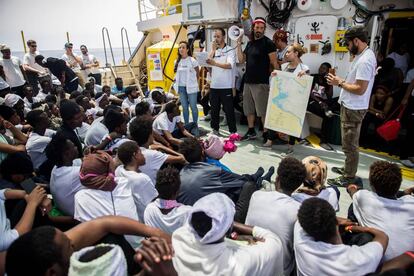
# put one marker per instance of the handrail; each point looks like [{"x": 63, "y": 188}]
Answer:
[
  {"x": 123, "y": 30},
  {"x": 105, "y": 31},
  {"x": 169, "y": 54}
]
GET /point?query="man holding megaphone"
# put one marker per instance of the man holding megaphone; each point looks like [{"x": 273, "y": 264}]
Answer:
[{"x": 222, "y": 59}]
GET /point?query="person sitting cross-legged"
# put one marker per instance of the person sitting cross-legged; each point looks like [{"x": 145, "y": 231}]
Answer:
[
  {"x": 34, "y": 199},
  {"x": 64, "y": 180},
  {"x": 168, "y": 124},
  {"x": 199, "y": 178},
  {"x": 165, "y": 212},
  {"x": 319, "y": 249},
  {"x": 201, "y": 247},
  {"x": 314, "y": 184},
  {"x": 141, "y": 131},
  {"x": 266, "y": 208},
  {"x": 386, "y": 208},
  {"x": 131, "y": 99},
  {"x": 143, "y": 190},
  {"x": 104, "y": 194},
  {"x": 39, "y": 138}
]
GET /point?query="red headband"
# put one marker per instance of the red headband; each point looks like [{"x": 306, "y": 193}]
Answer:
[{"x": 259, "y": 21}]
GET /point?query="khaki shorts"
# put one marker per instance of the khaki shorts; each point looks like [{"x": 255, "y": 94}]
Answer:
[{"x": 255, "y": 98}]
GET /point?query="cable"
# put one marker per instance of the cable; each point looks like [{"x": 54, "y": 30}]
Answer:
[
  {"x": 277, "y": 17},
  {"x": 169, "y": 54},
  {"x": 365, "y": 14}
]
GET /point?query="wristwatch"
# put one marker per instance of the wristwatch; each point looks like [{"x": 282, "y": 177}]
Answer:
[{"x": 341, "y": 83}]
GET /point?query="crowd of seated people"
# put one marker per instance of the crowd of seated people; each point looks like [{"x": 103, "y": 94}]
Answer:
[{"x": 87, "y": 174}]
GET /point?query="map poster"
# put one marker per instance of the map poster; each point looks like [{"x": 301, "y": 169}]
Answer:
[{"x": 288, "y": 99}]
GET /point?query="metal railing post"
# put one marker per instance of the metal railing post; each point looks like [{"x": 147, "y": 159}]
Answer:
[{"x": 105, "y": 31}]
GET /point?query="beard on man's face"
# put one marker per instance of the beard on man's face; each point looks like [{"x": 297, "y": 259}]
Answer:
[
  {"x": 258, "y": 35},
  {"x": 354, "y": 50}
]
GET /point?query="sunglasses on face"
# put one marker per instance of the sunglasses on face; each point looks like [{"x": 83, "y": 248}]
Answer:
[{"x": 34, "y": 46}]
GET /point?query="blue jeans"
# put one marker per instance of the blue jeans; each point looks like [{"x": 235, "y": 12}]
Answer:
[{"x": 186, "y": 101}]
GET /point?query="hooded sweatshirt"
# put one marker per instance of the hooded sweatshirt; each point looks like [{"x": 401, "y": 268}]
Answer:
[{"x": 228, "y": 257}]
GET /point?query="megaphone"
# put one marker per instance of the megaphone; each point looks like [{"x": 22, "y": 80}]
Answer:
[{"x": 235, "y": 32}]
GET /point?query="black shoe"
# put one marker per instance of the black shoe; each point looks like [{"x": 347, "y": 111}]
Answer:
[
  {"x": 326, "y": 146},
  {"x": 250, "y": 135},
  {"x": 269, "y": 174},
  {"x": 265, "y": 136},
  {"x": 338, "y": 170},
  {"x": 341, "y": 181},
  {"x": 257, "y": 174},
  {"x": 259, "y": 183},
  {"x": 202, "y": 132}
]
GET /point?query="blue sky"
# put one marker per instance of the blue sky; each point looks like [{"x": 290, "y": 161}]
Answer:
[{"x": 47, "y": 21}]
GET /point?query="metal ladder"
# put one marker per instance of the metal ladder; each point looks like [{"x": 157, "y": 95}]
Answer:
[
  {"x": 107, "y": 64},
  {"x": 129, "y": 70}
]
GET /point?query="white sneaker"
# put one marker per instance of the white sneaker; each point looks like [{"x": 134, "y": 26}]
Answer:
[
  {"x": 407, "y": 163},
  {"x": 206, "y": 118},
  {"x": 329, "y": 113},
  {"x": 268, "y": 144}
]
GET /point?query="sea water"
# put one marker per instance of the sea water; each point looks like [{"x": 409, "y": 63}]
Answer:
[{"x": 99, "y": 53}]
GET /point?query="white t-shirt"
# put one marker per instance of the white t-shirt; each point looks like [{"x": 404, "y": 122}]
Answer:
[
  {"x": 36, "y": 145},
  {"x": 14, "y": 75},
  {"x": 81, "y": 131},
  {"x": 143, "y": 190},
  {"x": 401, "y": 61},
  {"x": 41, "y": 96},
  {"x": 93, "y": 112},
  {"x": 321, "y": 258},
  {"x": 29, "y": 59},
  {"x": 409, "y": 77},
  {"x": 98, "y": 88},
  {"x": 89, "y": 59},
  {"x": 153, "y": 161},
  {"x": 362, "y": 68},
  {"x": 187, "y": 75},
  {"x": 3, "y": 84},
  {"x": 168, "y": 223},
  {"x": 301, "y": 67},
  {"x": 278, "y": 213},
  {"x": 91, "y": 204},
  {"x": 7, "y": 235},
  {"x": 163, "y": 123},
  {"x": 327, "y": 194},
  {"x": 227, "y": 258},
  {"x": 394, "y": 217},
  {"x": 96, "y": 132},
  {"x": 127, "y": 104},
  {"x": 28, "y": 104},
  {"x": 64, "y": 184},
  {"x": 74, "y": 65},
  {"x": 223, "y": 78}
]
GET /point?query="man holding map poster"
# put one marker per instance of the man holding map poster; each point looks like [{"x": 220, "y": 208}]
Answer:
[
  {"x": 259, "y": 54},
  {"x": 354, "y": 100}
]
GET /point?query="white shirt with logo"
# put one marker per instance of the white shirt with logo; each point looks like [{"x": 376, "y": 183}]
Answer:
[
  {"x": 362, "y": 68},
  {"x": 223, "y": 78}
]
